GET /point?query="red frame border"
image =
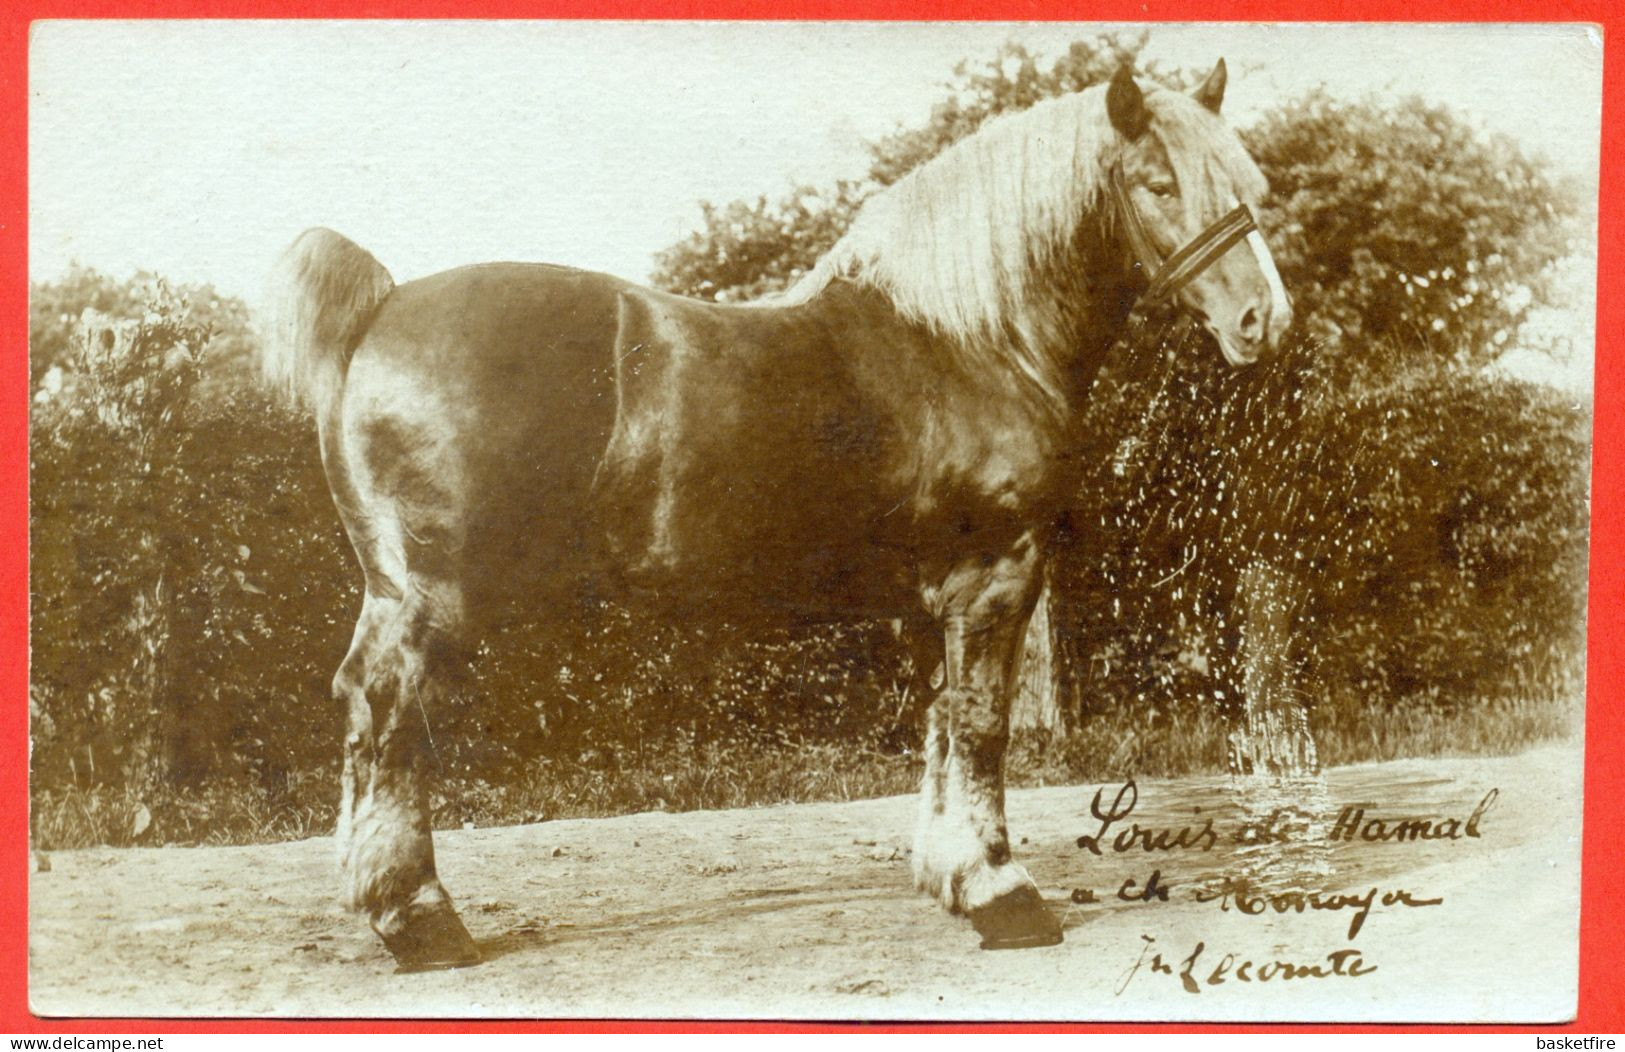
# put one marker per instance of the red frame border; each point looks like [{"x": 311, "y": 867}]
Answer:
[{"x": 1602, "y": 934}]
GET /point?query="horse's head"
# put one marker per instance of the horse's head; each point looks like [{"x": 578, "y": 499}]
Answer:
[{"x": 1184, "y": 188}]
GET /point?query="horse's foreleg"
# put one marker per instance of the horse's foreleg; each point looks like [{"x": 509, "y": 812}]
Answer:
[
  {"x": 929, "y": 875},
  {"x": 924, "y": 639},
  {"x": 390, "y": 681},
  {"x": 962, "y": 847}
]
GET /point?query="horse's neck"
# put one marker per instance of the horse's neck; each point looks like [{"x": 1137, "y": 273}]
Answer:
[
  {"x": 1090, "y": 297},
  {"x": 1098, "y": 330},
  {"x": 1077, "y": 313}
]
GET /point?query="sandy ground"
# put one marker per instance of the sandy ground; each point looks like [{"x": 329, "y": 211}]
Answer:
[{"x": 808, "y": 912}]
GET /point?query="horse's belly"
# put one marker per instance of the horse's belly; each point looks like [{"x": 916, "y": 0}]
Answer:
[{"x": 748, "y": 540}]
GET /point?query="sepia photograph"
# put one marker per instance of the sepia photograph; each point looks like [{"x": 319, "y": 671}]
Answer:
[{"x": 958, "y": 521}]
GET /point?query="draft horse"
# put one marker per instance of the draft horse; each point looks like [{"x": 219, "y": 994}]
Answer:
[{"x": 889, "y": 438}]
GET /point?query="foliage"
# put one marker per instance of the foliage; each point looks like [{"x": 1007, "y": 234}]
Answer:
[
  {"x": 54, "y": 310},
  {"x": 1010, "y": 80},
  {"x": 748, "y": 249},
  {"x": 178, "y": 543},
  {"x": 123, "y": 444},
  {"x": 1402, "y": 230},
  {"x": 56, "y": 307},
  {"x": 1432, "y": 530},
  {"x": 193, "y": 593},
  {"x": 1119, "y": 743},
  {"x": 1465, "y": 575}
]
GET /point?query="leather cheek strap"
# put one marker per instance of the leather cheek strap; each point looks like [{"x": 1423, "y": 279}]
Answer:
[{"x": 1168, "y": 278}]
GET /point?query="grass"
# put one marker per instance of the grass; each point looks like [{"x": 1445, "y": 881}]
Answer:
[
  {"x": 685, "y": 779},
  {"x": 1497, "y": 727},
  {"x": 218, "y": 814},
  {"x": 679, "y": 778},
  {"x": 1110, "y": 746}
]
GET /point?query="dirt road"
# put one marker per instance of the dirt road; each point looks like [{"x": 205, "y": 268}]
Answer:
[{"x": 808, "y": 911}]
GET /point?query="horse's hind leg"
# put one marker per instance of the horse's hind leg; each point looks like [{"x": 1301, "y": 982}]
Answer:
[
  {"x": 962, "y": 846},
  {"x": 395, "y": 673}
]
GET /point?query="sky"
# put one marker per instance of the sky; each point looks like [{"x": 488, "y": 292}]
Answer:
[{"x": 199, "y": 149}]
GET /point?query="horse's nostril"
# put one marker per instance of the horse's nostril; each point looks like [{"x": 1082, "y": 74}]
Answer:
[{"x": 1252, "y": 326}]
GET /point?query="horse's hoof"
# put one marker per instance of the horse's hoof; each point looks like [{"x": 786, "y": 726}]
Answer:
[
  {"x": 426, "y": 938},
  {"x": 1016, "y": 920}
]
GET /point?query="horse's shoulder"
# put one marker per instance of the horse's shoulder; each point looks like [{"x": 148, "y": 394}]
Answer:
[
  {"x": 648, "y": 317},
  {"x": 642, "y": 300},
  {"x": 639, "y": 313}
]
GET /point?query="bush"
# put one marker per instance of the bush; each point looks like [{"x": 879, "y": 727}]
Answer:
[
  {"x": 1465, "y": 578},
  {"x": 1411, "y": 243},
  {"x": 184, "y": 553},
  {"x": 1402, "y": 231},
  {"x": 1432, "y": 529},
  {"x": 193, "y": 593},
  {"x": 55, "y": 309}
]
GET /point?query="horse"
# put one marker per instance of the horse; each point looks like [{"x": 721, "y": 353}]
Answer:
[{"x": 889, "y": 438}]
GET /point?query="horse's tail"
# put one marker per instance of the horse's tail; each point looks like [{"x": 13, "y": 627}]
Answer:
[{"x": 323, "y": 296}]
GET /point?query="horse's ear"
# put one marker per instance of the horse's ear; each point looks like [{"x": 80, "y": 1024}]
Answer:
[
  {"x": 1125, "y": 105},
  {"x": 1211, "y": 93}
]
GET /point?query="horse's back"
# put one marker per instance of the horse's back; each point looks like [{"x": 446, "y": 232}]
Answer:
[
  {"x": 497, "y": 318},
  {"x": 477, "y": 405}
]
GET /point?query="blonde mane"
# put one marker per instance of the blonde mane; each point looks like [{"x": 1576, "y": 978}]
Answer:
[{"x": 978, "y": 243}]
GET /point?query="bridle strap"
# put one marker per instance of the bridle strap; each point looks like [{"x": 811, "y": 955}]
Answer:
[
  {"x": 1145, "y": 253},
  {"x": 1168, "y": 278}
]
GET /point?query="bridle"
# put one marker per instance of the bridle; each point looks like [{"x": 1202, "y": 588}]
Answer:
[{"x": 1169, "y": 276}]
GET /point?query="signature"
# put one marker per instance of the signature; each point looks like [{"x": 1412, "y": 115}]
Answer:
[
  {"x": 1282, "y": 825},
  {"x": 1194, "y": 972}
]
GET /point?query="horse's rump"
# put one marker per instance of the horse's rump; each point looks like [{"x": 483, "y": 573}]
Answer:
[{"x": 475, "y": 409}]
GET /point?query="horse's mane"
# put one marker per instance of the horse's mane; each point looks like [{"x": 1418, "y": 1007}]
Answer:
[{"x": 976, "y": 242}]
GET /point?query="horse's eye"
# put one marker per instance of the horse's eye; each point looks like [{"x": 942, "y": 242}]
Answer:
[{"x": 1162, "y": 189}]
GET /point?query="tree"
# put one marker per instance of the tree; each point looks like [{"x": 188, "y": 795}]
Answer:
[
  {"x": 187, "y": 568},
  {"x": 55, "y": 310},
  {"x": 1402, "y": 230},
  {"x": 55, "y": 307},
  {"x": 105, "y": 567},
  {"x": 747, "y": 249}
]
